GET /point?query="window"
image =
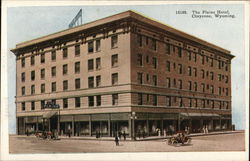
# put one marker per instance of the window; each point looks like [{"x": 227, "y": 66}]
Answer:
[
  {"x": 203, "y": 103},
  {"x": 42, "y": 73},
  {"x": 65, "y": 85},
  {"x": 114, "y": 60},
  {"x": 32, "y": 60},
  {"x": 91, "y": 64},
  {"x": 23, "y": 76},
  {"x": 203, "y": 87},
  {"x": 42, "y": 104},
  {"x": 140, "y": 99},
  {"x": 195, "y": 86},
  {"x": 153, "y": 44},
  {"x": 139, "y": 60},
  {"x": 212, "y": 75},
  {"x": 219, "y": 77},
  {"x": 53, "y": 71},
  {"x": 167, "y": 48},
  {"x": 32, "y": 89},
  {"x": 77, "y": 83},
  {"x": 32, "y": 75},
  {"x": 195, "y": 103},
  {"x": 98, "y": 45},
  {"x": 147, "y": 59},
  {"x": 147, "y": 77},
  {"x": 42, "y": 58},
  {"x": 98, "y": 81},
  {"x": 180, "y": 102},
  {"x": 202, "y": 73},
  {"x": 219, "y": 64},
  {"x": 174, "y": 82},
  {"x": 190, "y": 85},
  {"x": 114, "y": 99},
  {"x": 53, "y": 55},
  {"x": 23, "y": 106},
  {"x": 65, "y": 103},
  {"x": 154, "y": 80},
  {"x": 114, "y": 41},
  {"x": 90, "y": 47},
  {"x": 189, "y": 55},
  {"x": 114, "y": 78},
  {"x": 226, "y": 79},
  {"x": 168, "y": 100},
  {"x": 202, "y": 59},
  {"x": 98, "y": 100},
  {"x": 212, "y": 62},
  {"x": 212, "y": 88},
  {"x": 195, "y": 72},
  {"x": 180, "y": 84},
  {"x": 190, "y": 102},
  {"x": 53, "y": 86},
  {"x": 77, "y": 50},
  {"x": 77, "y": 67},
  {"x": 195, "y": 57},
  {"x": 77, "y": 102},
  {"x": 65, "y": 69},
  {"x": 168, "y": 66},
  {"x": 42, "y": 88},
  {"x": 65, "y": 53},
  {"x": 98, "y": 63},
  {"x": 212, "y": 104},
  {"x": 139, "y": 78},
  {"x": 23, "y": 62},
  {"x": 23, "y": 91},
  {"x": 180, "y": 68},
  {"x": 154, "y": 62},
  {"x": 154, "y": 100},
  {"x": 168, "y": 83},
  {"x": 53, "y": 101},
  {"x": 179, "y": 52},
  {"x": 226, "y": 91},
  {"x": 189, "y": 71},
  {"x": 91, "y": 101},
  {"x": 139, "y": 40},
  {"x": 226, "y": 68},
  {"x": 32, "y": 105},
  {"x": 91, "y": 82}
]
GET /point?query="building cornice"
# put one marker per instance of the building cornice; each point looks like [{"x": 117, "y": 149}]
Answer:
[{"x": 107, "y": 24}]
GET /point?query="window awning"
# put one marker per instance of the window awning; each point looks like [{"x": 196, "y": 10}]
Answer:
[
  {"x": 199, "y": 115},
  {"x": 49, "y": 114}
]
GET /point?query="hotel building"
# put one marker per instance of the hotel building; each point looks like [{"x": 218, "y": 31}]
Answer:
[{"x": 122, "y": 73}]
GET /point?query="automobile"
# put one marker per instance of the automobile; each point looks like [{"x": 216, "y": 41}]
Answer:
[{"x": 179, "y": 139}]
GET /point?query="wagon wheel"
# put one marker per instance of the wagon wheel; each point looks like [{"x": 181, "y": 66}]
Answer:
[{"x": 175, "y": 142}]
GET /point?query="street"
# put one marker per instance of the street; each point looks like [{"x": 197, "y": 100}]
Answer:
[{"x": 30, "y": 144}]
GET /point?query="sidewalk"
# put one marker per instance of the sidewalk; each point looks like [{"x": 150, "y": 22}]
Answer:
[{"x": 146, "y": 138}]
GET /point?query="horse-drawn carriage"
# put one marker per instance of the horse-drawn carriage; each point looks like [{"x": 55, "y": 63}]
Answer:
[
  {"x": 179, "y": 139},
  {"x": 46, "y": 135}
]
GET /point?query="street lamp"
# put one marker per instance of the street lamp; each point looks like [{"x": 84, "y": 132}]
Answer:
[{"x": 133, "y": 118}]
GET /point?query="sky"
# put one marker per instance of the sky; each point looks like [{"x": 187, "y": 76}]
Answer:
[{"x": 26, "y": 23}]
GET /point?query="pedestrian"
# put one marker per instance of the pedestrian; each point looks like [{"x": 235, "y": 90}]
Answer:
[
  {"x": 203, "y": 129},
  {"x": 143, "y": 134},
  {"x": 120, "y": 135},
  {"x": 27, "y": 132},
  {"x": 69, "y": 133},
  {"x": 206, "y": 130},
  {"x": 124, "y": 135},
  {"x": 96, "y": 134},
  {"x": 139, "y": 134},
  {"x": 116, "y": 140},
  {"x": 164, "y": 133}
]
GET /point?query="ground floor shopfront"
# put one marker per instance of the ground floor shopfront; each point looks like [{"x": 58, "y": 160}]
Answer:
[{"x": 133, "y": 124}]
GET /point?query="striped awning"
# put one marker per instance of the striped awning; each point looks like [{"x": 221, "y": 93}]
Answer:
[{"x": 49, "y": 114}]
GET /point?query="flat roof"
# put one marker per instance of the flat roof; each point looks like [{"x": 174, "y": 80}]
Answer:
[{"x": 116, "y": 17}]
